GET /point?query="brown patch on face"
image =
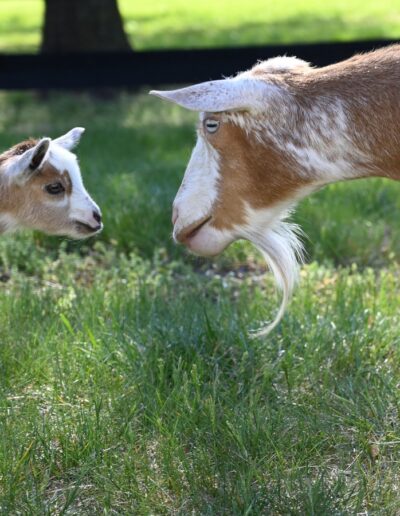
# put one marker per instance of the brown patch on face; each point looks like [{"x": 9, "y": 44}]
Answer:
[
  {"x": 32, "y": 205},
  {"x": 66, "y": 180},
  {"x": 48, "y": 175},
  {"x": 251, "y": 173}
]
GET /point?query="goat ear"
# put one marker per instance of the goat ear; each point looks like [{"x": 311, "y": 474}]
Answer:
[
  {"x": 23, "y": 166},
  {"x": 39, "y": 154},
  {"x": 238, "y": 94},
  {"x": 71, "y": 138}
]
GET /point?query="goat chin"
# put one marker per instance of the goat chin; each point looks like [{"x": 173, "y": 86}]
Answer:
[{"x": 284, "y": 253}]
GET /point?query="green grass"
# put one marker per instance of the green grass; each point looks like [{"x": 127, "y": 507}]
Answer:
[
  {"x": 128, "y": 381},
  {"x": 127, "y": 397},
  {"x": 182, "y": 24}
]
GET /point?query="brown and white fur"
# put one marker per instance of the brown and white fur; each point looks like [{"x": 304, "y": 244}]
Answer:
[
  {"x": 270, "y": 136},
  {"x": 41, "y": 188}
]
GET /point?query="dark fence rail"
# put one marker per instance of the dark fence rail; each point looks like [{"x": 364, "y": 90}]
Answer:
[{"x": 132, "y": 70}]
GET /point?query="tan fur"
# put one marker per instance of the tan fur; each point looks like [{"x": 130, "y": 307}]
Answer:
[
  {"x": 368, "y": 84},
  {"x": 251, "y": 174},
  {"x": 17, "y": 150},
  {"x": 25, "y": 202},
  {"x": 260, "y": 174}
]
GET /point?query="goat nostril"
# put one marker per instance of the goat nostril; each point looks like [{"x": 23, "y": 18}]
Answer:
[{"x": 97, "y": 216}]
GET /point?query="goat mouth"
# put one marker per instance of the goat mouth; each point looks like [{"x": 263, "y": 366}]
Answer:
[
  {"x": 191, "y": 231},
  {"x": 82, "y": 227}
]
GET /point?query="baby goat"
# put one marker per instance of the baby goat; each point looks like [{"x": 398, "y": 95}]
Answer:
[
  {"x": 272, "y": 135},
  {"x": 41, "y": 188}
]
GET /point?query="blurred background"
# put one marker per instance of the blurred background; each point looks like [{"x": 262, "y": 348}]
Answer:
[
  {"x": 177, "y": 24},
  {"x": 196, "y": 41}
]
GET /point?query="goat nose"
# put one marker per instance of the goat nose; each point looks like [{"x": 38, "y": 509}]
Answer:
[
  {"x": 97, "y": 216},
  {"x": 174, "y": 215}
]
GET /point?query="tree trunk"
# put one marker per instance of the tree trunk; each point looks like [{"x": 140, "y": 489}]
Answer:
[{"x": 83, "y": 26}]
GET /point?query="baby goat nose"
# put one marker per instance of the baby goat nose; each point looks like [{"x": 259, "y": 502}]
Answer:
[{"x": 97, "y": 216}]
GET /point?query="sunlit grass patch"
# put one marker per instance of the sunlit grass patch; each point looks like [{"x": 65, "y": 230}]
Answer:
[{"x": 179, "y": 24}]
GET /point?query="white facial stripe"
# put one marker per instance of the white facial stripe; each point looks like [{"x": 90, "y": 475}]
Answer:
[
  {"x": 62, "y": 159},
  {"x": 81, "y": 204},
  {"x": 199, "y": 189}
]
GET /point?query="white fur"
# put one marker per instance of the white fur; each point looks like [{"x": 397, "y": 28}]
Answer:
[
  {"x": 196, "y": 198},
  {"x": 210, "y": 241},
  {"x": 327, "y": 153},
  {"x": 198, "y": 191},
  {"x": 239, "y": 93},
  {"x": 244, "y": 92},
  {"x": 81, "y": 206},
  {"x": 281, "y": 247},
  {"x": 71, "y": 139},
  {"x": 276, "y": 64}
]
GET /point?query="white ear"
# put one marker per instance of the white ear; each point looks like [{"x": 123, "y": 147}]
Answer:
[
  {"x": 238, "y": 94},
  {"x": 70, "y": 139},
  {"x": 23, "y": 166}
]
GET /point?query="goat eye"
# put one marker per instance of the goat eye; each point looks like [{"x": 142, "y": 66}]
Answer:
[
  {"x": 55, "y": 188},
  {"x": 211, "y": 125}
]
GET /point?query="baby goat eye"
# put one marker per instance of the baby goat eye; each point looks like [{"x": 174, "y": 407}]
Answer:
[
  {"x": 55, "y": 188},
  {"x": 211, "y": 125}
]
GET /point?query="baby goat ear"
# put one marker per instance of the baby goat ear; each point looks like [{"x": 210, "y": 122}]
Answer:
[
  {"x": 39, "y": 154},
  {"x": 238, "y": 94},
  {"x": 26, "y": 164},
  {"x": 71, "y": 138}
]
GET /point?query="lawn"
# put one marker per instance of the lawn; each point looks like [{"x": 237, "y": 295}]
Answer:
[
  {"x": 128, "y": 380},
  {"x": 182, "y": 24}
]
